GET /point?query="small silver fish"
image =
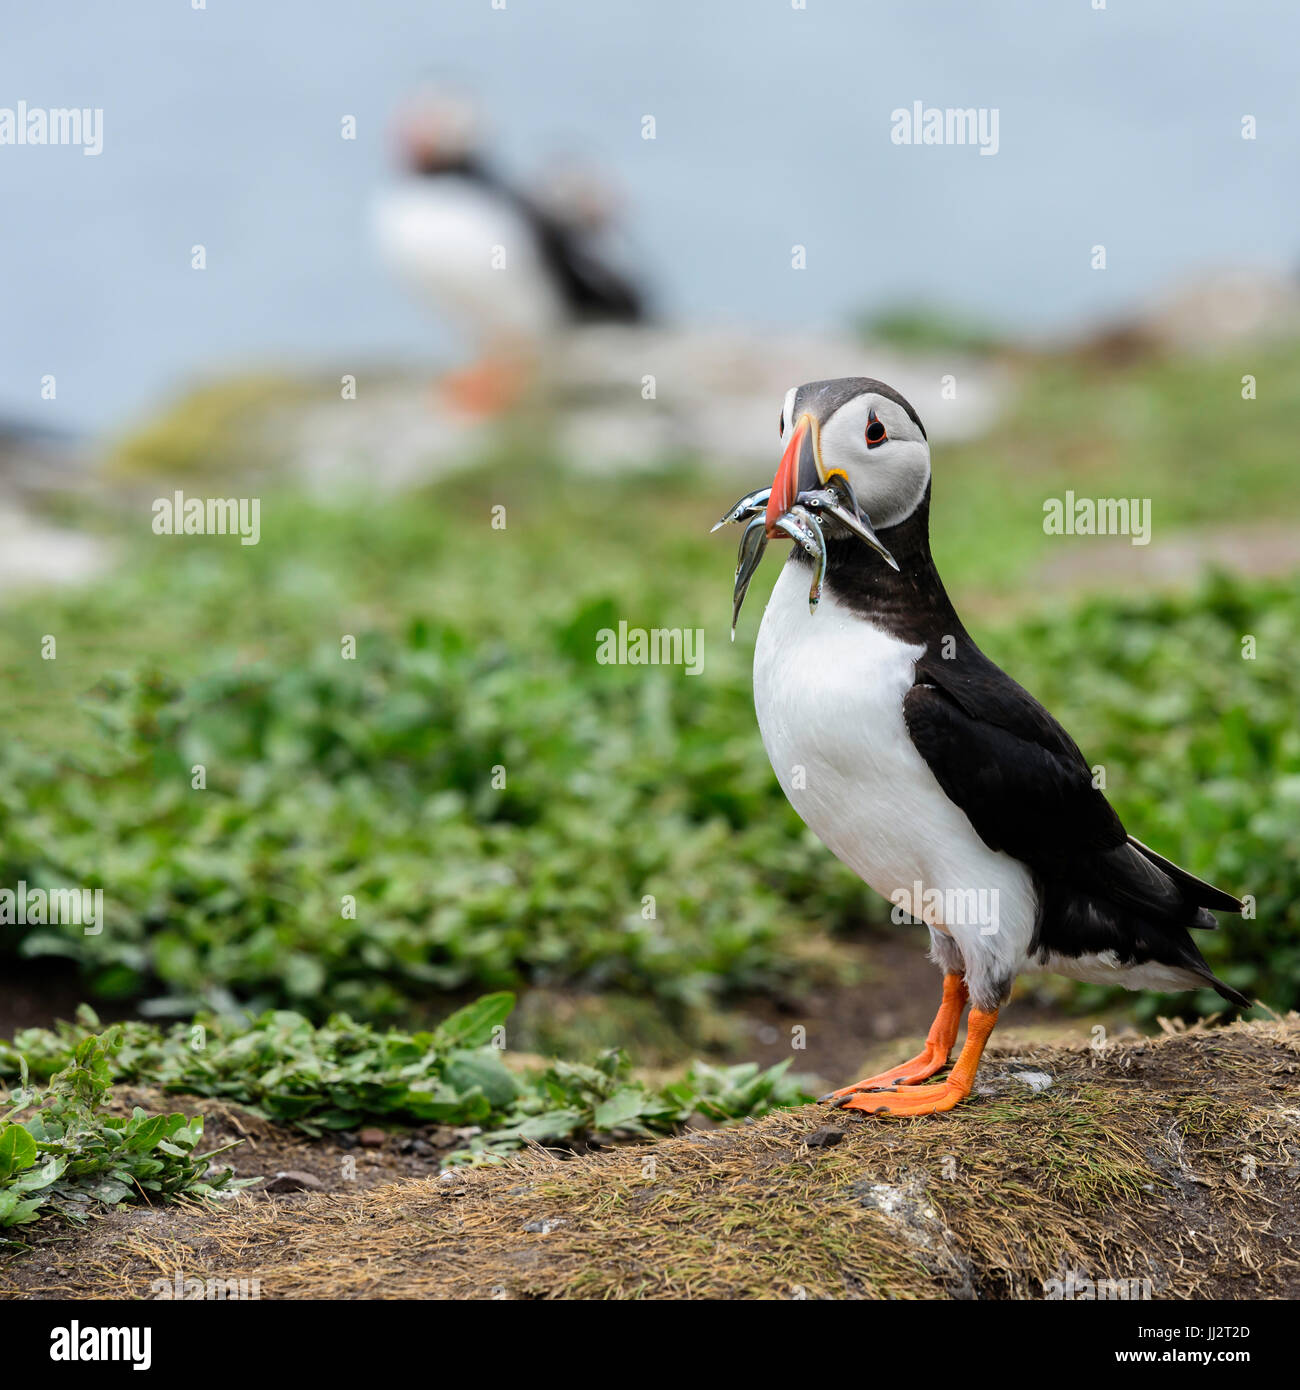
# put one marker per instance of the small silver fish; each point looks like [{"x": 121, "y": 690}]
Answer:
[
  {"x": 836, "y": 500},
  {"x": 841, "y": 502},
  {"x": 803, "y": 528},
  {"x": 753, "y": 542},
  {"x": 749, "y": 504}
]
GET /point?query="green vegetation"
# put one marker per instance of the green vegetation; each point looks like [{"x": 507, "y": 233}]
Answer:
[
  {"x": 1175, "y": 431},
  {"x": 209, "y": 431},
  {"x": 60, "y": 1152},
  {"x": 925, "y": 328},
  {"x": 350, "y": 851},
  {"x": 344, "y": 1075},
  {"x": 1196, "y": 733}
]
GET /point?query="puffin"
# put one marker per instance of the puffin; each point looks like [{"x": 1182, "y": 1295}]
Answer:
[
  {"x": 511, "y": 268},
  {"x": 923, "y": 766}
]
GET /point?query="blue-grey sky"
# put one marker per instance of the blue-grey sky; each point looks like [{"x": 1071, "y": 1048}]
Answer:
[{"x": 1119, "y": 126}]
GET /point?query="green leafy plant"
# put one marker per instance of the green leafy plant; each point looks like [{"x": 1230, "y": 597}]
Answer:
[
  {"x": 331, "y": 781},
  {"x": 1188, "y": 703},
  {"x": 61, "y": 1152},
  {"x": 345, "y": 1074}
]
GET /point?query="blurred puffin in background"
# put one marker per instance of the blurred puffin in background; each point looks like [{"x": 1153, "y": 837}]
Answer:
[{"x": 513, "y": 270}]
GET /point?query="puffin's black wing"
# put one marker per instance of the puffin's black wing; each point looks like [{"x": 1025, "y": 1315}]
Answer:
[
  {"x": 592, "y": 289},
  {"x": 1026, "y": 788},
  {"x": 1000, "y": 756}
]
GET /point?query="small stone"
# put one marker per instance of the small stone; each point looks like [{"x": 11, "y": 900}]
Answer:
[
  {"x": 372, "y": 1137},
  {"x": 294, "y": 1181},
  {"x": 544, "y": 1228},
  {"x": 824, "y": 1138}
]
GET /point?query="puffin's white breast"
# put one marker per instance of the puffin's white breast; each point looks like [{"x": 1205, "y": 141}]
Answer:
[
  {"x": 829, "y": 690},
  {"x": 441, "y": 234}
]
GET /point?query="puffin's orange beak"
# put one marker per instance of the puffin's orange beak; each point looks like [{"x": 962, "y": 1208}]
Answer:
[{"x": 800, "y": 471}]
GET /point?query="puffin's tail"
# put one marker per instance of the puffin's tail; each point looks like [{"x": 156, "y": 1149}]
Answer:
[
  {"x": 1197, "y": 893},
  {"x": 1204, "y": 900},
  {"x": 1233, "y": 996}
]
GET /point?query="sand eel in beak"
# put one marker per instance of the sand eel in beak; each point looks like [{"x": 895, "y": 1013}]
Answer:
[
  {"x": 922, "y": 765},
  {"x": 508, "y": 268}
]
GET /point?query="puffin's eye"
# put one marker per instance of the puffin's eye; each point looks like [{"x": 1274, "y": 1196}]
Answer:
[
  {"x": 780, "y": 429},
  {"x": 875, "y": 430}
]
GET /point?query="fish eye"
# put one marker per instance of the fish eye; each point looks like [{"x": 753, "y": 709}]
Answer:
[{"x": 875, "y": 430}]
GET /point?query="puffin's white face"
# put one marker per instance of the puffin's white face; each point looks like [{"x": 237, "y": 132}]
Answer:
[{"x": 849, "y": 427}]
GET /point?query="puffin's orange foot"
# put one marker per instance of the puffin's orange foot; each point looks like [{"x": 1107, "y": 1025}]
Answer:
[
  {"x": 910, "y": 1100},
  {"x": 924, "y": 1065},
  {"x": 488, "y": 388},
  {"x": 933, "y": 1057},
  {"x": 930, "y": 1100}
]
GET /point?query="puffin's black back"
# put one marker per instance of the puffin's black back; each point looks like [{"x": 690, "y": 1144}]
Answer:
[{"x": 591, "y": 290}]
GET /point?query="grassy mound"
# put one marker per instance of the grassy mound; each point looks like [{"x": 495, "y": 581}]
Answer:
[{"x": 1159, "y": 1167}]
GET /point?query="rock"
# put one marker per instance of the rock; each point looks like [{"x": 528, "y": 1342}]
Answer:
[
  {"x": 294, "y": 1181},
  {"x": 372, "y": 1137},
  {"x": 34, "y": 553},
  {"x": 824, "y": 1138},
  {"x": 1035, "y": 1080},
  {"x": 544, "y": 1228}
]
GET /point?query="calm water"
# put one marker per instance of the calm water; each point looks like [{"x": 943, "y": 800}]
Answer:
[{"x": 221, "y": 127}]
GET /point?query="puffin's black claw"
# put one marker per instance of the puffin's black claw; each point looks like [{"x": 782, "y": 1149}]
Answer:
[{"x": 859, "y": 1091}]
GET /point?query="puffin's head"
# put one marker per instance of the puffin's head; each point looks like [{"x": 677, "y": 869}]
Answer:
[
  {"x": 437, "y": 132},
  {"x": 862, "y": 431}
]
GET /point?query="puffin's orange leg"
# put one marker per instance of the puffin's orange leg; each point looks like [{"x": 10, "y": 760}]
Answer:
[
  {"x": 938, "y": 1044},
  {"x": 927, "y": 1100},
  {"x": 487, "y": 388}
]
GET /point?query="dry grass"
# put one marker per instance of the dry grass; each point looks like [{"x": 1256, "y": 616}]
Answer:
[{"x": 1172, "y": 1159}]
